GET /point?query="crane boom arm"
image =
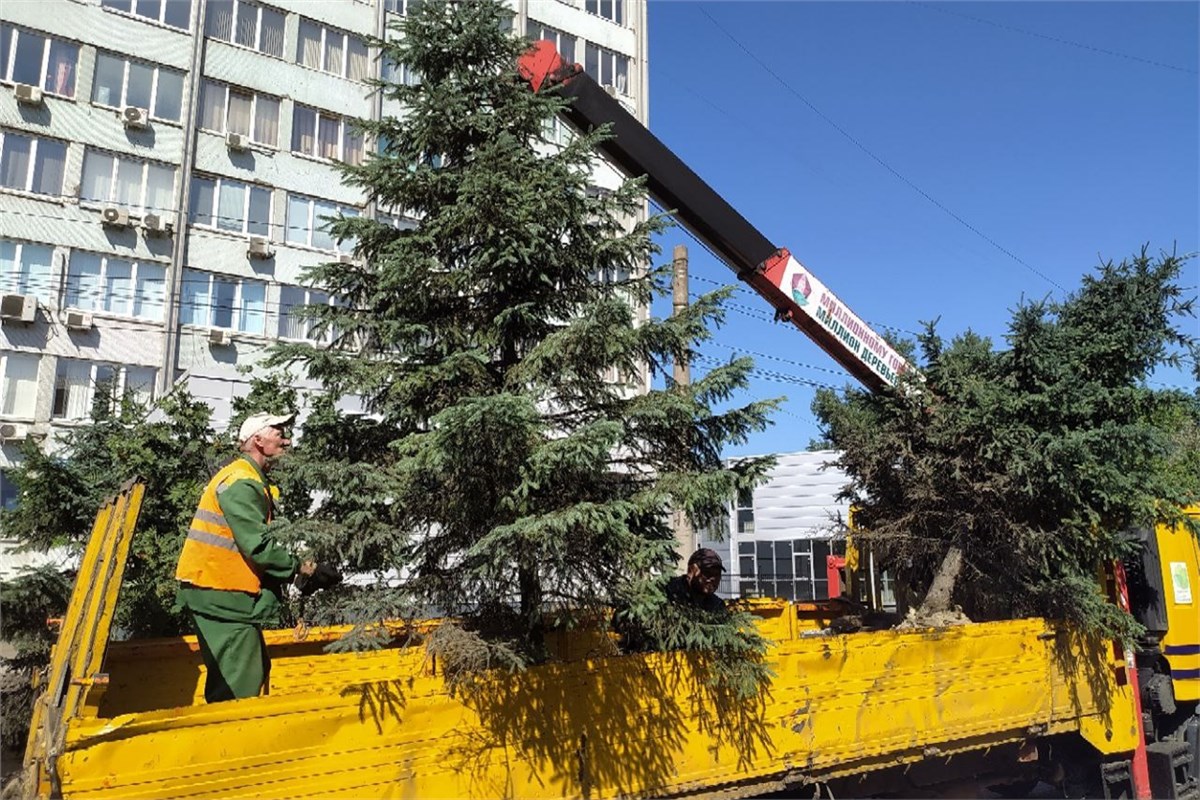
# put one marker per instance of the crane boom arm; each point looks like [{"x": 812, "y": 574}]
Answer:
[{"x": 794, "y": 292}]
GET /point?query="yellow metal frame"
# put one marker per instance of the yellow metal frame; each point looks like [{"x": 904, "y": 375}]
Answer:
[{"x": 75, "y": 660}]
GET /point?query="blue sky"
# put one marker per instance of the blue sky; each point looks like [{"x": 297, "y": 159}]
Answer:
[{"x": 928, "y": 160}]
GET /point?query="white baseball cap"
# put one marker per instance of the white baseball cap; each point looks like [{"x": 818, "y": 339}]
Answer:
[{"x": 255, "y": 423}]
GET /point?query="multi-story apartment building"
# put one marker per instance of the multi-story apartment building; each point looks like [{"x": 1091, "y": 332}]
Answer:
[{"x": 165, "y": 168}]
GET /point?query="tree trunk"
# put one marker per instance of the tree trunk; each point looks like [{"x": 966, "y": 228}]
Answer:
[
  {"x": 531, "y": 604},
  {"x": 941, "y": 591}
]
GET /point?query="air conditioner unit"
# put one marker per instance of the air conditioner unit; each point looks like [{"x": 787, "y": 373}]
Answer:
[
  {"x": 260, "y": 247},
  {"x": 135, "y": 117},
  {"x": 18, "y": 308},
  {"x": 115, "y": 217},
  {"x": 28, "y": 94},
  {"x": 158, "y": 225},
  {"x": 79, "y": 320},
  {"x": 345, "y": 258},
  {"x": 219, "y": 337},
  {"x": 237, "y": 141},
  {"x": 13, "y": 432}
]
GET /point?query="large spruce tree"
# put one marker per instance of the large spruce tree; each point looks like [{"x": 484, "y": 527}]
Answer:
[
  {"x": 1016, "y": 470},
  {"x": 508, "y": 470}
]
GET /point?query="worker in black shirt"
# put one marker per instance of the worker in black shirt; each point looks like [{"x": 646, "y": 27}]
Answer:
[{"x": 698, "y": 587}]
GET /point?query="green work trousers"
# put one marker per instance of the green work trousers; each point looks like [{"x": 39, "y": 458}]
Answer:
[{"x": 235, "y": 656}]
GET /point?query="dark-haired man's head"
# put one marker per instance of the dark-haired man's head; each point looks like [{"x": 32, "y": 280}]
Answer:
[{"x": 704, "y": 570}]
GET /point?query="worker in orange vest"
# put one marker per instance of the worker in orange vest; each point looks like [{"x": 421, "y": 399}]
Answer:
[{"x": 232, "y": 571}]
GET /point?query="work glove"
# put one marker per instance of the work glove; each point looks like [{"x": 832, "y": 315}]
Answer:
[{"x": 323, "y": 577}]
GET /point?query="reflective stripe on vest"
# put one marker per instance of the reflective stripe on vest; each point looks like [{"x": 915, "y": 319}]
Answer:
[{"x": 211, "y": 558}]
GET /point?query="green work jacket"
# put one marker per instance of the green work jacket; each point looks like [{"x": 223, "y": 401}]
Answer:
[{"x": 247, "y": 508}]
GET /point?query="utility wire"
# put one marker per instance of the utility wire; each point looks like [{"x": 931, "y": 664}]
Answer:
[
  {"x": 942, "y": 9},
  {"x": 895, "y": 173},
  {"x": 838, "y": 373},
  {"x": 753, "y": 312}
]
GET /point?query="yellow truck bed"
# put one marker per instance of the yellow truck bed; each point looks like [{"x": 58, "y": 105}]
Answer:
[{"x": 383, "y": 723}]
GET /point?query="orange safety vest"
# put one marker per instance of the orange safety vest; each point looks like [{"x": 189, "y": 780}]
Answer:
[{"x": 211, "y": 558}]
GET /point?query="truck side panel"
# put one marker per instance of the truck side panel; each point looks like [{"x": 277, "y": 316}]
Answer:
[{"x": 384, "y": 724}]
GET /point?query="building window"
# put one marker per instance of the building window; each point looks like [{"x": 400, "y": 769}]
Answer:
[
  {"x": 116, "y": 286},
  {"x": 246, "y": 24},
  {"x": 223, "y": 301},
  {"x": 563, "y": 42},
  {"x": 230, "y": 205},
  {"x": 38, "y": 60},
  {"x": 121, "y": 82},
  {"x": 10, "y": 495},
  {"x": 25, "y": 268},
  {"x": 395, "y": 72},
  {"x": 402, "y": 6},
  {"x": 130, "y": 182},
  {"x": 607, "y": 67},
  {"x": 86, "y": 389},
  {"x": 227, "y": 109},
  {"x": 745, "y": 512},
  {"x": 403, "y": 221},
  {"x": 792, "y": 569},
  {"x": 308, "y": 221},
  {"x": 557, "y": 132},
  {"x": 32, "y": 164},
  {"x": 612, "y": 10},
  {"x": 324, "y": 135},
  {"x": 176, "y": 13},
  {"x": 18, "y": 396},
  {"x": 292, "y": 324},
  {"x": 331, "y": 50}
]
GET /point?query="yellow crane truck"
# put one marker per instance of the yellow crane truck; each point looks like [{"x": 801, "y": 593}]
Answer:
[{"x": 845, "y": 715}]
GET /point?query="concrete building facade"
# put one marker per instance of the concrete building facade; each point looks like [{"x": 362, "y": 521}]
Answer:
[{"x": 165, "y": 166}]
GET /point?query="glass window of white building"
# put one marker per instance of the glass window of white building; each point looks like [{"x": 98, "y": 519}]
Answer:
[
  {"x": 26, "y": 268},
  {"x": 228, "y": 109},
  {"x": 175, "y": 13},
  {"x": 121, "y": 82},
  {"x": 324, "y": 135},
  {"x": 84, "y": 389},
  {"x": 292, "y": 322},
  {"x": 18, "y": 395},
  {"x": 230, "y": 205},
  {"x": 563, "y": 42},
  {"x": 612, "y": 10},
  {"x": 401, "y": 6},
  {"x": 395, "y": 72},
  {"x": 116, "y": 286},
  {"x": 10, "y": 495},
  {"x": 792, "y": 569},
  {"x": 223, "y": 301},
  {"x": 607, "y": 67},
  {"x": 31, "y": 163},
  {"x": 38, "y": 60},
  {"x": 331, "y": 50},
  {"x": 130, "y": 182},
  {"x": 247, "y": 24},
  {"x": 308, "y": 219}
]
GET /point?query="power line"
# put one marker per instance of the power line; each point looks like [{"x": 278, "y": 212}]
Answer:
[
  {"x": 1003, "y": 26},
  {"x": 744, "y": 290},
  {"x": 894, "y": 172},
  {"x": 839, "y": 373}
]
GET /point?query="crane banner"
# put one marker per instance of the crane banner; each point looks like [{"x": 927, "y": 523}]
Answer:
[{"x": 816, "y": 301}]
